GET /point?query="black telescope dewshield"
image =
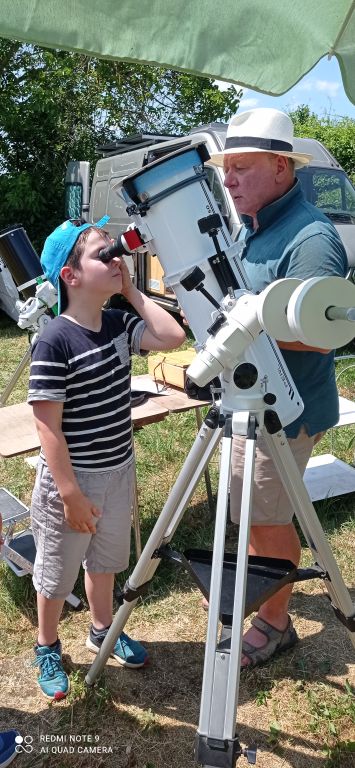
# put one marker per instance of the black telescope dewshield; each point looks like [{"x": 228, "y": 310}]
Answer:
[{"x": 21, "y": 259}]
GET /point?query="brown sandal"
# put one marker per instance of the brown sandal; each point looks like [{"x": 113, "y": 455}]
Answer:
[{"x": 276, "y": 642}]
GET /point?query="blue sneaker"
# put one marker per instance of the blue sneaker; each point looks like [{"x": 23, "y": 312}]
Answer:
[
  {"x": 130, "y": 653},
  {"x": 52, "y": 680},
  {"x": 7, "y": 747}
]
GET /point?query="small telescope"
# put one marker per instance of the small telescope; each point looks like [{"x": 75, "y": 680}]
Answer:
[{"x": 20, "y": 257}]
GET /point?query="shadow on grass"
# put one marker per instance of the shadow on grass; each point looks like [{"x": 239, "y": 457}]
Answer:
[{"x": 148, "y": 719}]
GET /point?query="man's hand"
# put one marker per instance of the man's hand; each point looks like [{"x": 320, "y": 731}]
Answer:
[{"x": 79, "y": 512}]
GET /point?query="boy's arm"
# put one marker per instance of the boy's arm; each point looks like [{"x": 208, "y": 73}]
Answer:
[
  {"x": 78, "y": 509},
  {"x": 162, "y": 332}
]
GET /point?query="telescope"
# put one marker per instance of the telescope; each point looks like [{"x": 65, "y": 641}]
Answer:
[
  {"x": 39, "y": 297},
  {"x": 20, "y": 257}
]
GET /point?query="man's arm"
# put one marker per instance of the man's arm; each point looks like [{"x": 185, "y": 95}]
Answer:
[
  {"x": 78, "y": 509},
  {"x": 317, "y": 252},
  {"x": 162, "y": 332},
  {"x": 298, "y": 346}
]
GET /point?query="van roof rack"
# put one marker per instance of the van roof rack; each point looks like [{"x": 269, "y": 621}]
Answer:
[
  {"x": 134, "y": 141},
  {"x": 215, "y": 127}
]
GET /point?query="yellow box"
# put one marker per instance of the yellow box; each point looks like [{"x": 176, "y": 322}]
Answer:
[
  {"x": 154, "y": 278},
  {"x": 171, "y": 367}
]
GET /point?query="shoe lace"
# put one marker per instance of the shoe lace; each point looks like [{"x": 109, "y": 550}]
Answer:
[{"x": 49, "y": 664}]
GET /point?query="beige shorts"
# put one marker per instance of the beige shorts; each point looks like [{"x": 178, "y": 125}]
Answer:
[
  {"x": 60, "y": 550},
  {"x": 271, "y": 505}
]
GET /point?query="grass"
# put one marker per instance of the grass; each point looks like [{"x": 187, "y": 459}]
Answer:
[{"x": 299, "y": 708}]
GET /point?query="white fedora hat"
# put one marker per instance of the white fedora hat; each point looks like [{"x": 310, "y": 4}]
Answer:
[{"x": 260, "y": 130}]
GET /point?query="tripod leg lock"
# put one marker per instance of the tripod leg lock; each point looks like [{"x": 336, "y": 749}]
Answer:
[
  {"x": 221, "y": 753},
  {"x": 129, "y": 593}
]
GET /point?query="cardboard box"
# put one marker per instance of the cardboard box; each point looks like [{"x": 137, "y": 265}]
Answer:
[
  {"x": 170, "y": 368},
  {"x": 154, "y": 278}
]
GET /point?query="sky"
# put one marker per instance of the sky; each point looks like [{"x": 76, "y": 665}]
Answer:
[{"x": 322, "y": 90}]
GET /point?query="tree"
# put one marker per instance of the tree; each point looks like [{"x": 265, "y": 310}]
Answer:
[
  {"x": 337, "y": 134},
  {"x": 58, "y": 106}
]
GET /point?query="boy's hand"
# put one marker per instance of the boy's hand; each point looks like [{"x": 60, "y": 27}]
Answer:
[
  {"x": 126, "y": 278},
  {"x": 79, "y": 512},
  {"x": 182, "y": 314}
]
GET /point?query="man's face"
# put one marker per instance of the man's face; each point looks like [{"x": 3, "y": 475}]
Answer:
[{"x": 251, "y": 179}]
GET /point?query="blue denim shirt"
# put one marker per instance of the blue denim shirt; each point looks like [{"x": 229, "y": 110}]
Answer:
[{"x": 295, "y": 239}]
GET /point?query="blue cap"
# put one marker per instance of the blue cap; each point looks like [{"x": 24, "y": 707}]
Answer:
[{"x": 57, "y": 249}]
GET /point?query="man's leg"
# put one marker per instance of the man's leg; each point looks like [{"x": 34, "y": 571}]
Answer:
[
  {"x": 270, "y": 541},
  {"x": 272, "y": 532}
]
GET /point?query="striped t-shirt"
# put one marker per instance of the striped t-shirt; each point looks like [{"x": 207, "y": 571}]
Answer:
[{"x": 90, "y": 373}]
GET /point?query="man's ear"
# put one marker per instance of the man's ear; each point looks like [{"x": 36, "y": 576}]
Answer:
[
  {"x": 282, "y": 168},
  {"x": 69, "y": 275}
]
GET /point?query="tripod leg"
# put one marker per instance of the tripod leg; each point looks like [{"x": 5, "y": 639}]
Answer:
[
  {"x": 5, "y": 394},
  {"x": 168, "y": 520},
  {"x": 221, "y": 673},
  {"x": 312, "y": 530}
]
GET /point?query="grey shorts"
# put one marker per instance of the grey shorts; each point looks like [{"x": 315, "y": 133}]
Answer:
[
  {"x": 60, "y": 550},
  {"x": 271, "y": 505}
]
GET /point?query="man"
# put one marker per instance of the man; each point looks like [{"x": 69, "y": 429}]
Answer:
[{"x": 282, "y": 236}]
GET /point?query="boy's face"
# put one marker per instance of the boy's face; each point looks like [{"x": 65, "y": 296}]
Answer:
[{"x": 94, "y": 276}]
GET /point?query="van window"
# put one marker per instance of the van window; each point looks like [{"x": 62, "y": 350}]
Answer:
[
  {"x": 331, "y": 191},
  {"x": 218, "y": 191}
]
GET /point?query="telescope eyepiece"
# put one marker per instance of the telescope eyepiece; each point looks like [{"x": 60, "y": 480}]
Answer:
[
  {"x": 109, "y": 253},
  {"x": 124, "y": 245}
]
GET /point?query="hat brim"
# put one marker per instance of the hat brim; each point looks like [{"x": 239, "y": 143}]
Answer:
[{"x": 299, "y": 159}]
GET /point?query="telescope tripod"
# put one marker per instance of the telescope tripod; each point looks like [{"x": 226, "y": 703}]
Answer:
[{"x": 235, "y": 586}]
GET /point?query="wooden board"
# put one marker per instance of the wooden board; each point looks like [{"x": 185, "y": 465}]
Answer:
[{"x": 18, "y": 433}]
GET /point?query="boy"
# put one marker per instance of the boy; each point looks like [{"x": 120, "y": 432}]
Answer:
[{"x": 80, "y": 392}]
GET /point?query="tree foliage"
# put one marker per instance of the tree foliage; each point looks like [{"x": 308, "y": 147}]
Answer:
[
  {"x": 58, "y": 106},
  {"x": 338, "y": 135}
]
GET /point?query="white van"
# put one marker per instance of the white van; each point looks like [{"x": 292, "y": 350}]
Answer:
[{"x": 324, "y": 182}]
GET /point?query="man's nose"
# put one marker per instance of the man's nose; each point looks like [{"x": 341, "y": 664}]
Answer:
[{"x": 229, "y": 180}]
